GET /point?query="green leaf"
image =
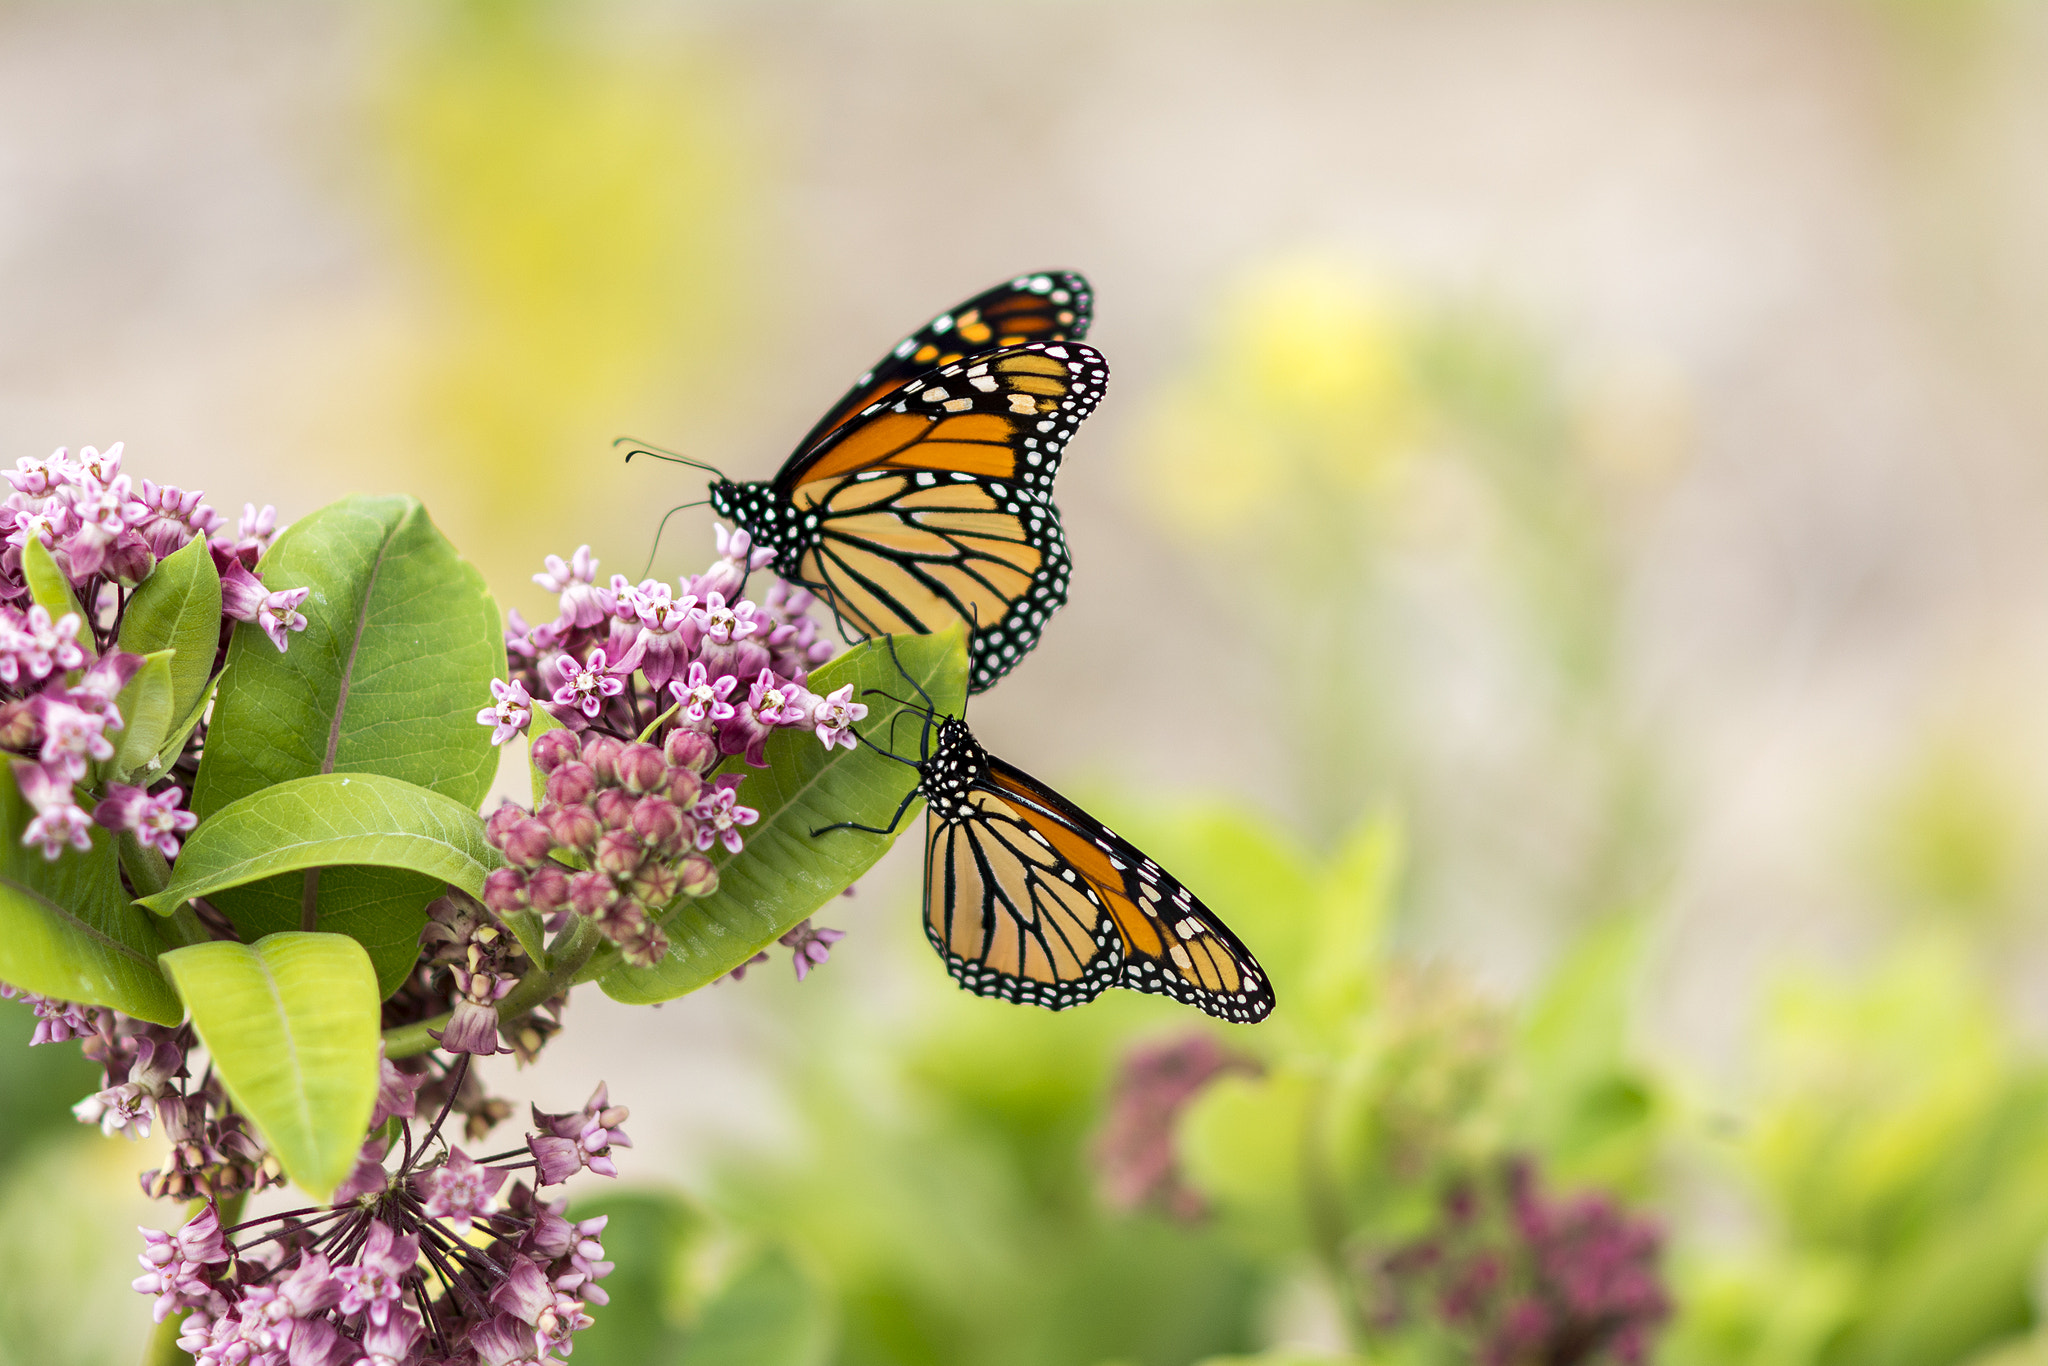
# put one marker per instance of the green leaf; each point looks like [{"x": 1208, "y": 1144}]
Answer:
[
  {"x": 362, "y": 819},
  {"x": 291, "y": 1023},
  {"x": 401, "y": 644},
  {"x": 769, "y": 1315},
  {"x": 178, "y": 608},
  {"x": 147, "y": 706},
  {"x": 47, "y": 584},
  {"x": 785, "y": 873},
  {"x": 67, "y": 928}
]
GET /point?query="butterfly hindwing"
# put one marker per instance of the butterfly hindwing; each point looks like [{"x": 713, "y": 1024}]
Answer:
[
  {"x": 1005, "y": 918},
  {"x": 1019, "y": 881},
  {"x": 1049, "y": 306}
]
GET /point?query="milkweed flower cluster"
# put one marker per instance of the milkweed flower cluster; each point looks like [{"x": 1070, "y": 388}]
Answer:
[
  {"x": 1529, "y": 1280},
  {"x": 436, "y": 1261},
  {"x": 620, "y": 835},
  {"x": 618, "y": 656},
  {"x": 60, "y": 672},
  {"x": 699, "y": 672},
  {"x": 1134, "y": 1153}
]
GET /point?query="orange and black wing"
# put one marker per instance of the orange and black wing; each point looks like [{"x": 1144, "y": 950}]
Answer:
[
  {"x": 1015, "y": 895},
  {"x": 935, "y": 506},
  {"x": 1050, "y": 306}
]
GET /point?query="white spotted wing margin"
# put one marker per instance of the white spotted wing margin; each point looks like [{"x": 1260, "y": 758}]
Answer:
[{"x": 1021, "y": 884}]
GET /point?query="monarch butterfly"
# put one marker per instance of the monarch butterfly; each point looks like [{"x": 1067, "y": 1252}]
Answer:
[
  {"x": 1030, "y": 899},
  {"x": 924, "y": 496}
]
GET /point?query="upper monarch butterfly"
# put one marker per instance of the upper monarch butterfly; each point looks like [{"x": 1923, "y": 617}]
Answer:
[
  {"x": 924, "y": 496},
  {"x": 1030, "y": 899}
]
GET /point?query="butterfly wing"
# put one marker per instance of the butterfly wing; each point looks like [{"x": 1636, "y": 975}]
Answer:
[
  {"x": 1032, "y": 872},
  {"x": 1050, "y": 306},
  {"x": 934, "y": 506},
  {"x": 1007, "y": 915}
]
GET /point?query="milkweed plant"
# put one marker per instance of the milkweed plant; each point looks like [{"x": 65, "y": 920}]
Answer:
[{"x": 246, "y": 867}]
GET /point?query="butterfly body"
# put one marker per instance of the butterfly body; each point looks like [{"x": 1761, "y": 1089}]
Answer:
[
  {"x": 1030, "y": 899},
  {"x": 924, "y": 497}
]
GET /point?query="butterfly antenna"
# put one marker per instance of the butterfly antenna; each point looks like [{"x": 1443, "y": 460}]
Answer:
[
  {"x": 640, "y": 447},
  {"x": 931, "y": 709},
  {"x": 651, "y": 550}
]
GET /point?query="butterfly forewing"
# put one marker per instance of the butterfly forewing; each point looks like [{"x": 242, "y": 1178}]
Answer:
[
  {"x": 1173, "y": 944},
  {"x": 1050, "y": 306},
  {"x": 934, "y": 507}
]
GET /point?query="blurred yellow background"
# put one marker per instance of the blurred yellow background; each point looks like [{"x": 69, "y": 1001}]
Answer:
[{"x": 1610, "y": 440}]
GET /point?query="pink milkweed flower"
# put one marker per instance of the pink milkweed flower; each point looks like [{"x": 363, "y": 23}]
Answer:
[
  {"x": 810, "y": 948},
  {"x": 42, "y": 478},
  {"x": 669, "y": 630},
  {"x": 727, "y": 625},
  {"x": 244, "y": 597},
  {"x": 510, "y": 713},
  {"x": 154, "y": 820},
  {"x": 719, "y": 815},
  {"x": 583, "y": 603},
  {"x": 833, "y": 717},
  {"x": 72, "y": 735},
  {"x": 586, "y": 686},
  {"x": 702, "y": 697},
  {"x": 99, "y": 467},
  {"x": 59, "y": 819},
  {"x": 43, "y": 644}
]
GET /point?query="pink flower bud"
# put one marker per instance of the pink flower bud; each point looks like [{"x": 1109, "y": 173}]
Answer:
[
  {"x": 571, "y": 784},
  {"x": 657, "y": 884},
  {"x": 692, "y": 750},
  {"x": 553, "y": 750},
  {"x": 618, "y": 853},
  {"x": 528, "y": 844},
  {"x": 659, "y": 824},
  {"x": 699, "y": 878},
  {"x": 547, "y": 887},
  {"x": 641, "y": 769},
  {"x": 614, "y": 809},
  {"x": 591, "y": 893},
  {"x": 601, "y": 752},
  {"x": 505, "y": 891},
  {"x": 574, "y": 827},
  {"x": 501, "y": 821},
  {"x": 684, "y": 787}
]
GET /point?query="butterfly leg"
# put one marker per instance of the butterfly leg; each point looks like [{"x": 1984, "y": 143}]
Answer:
[{"x": 888, "y": 829}]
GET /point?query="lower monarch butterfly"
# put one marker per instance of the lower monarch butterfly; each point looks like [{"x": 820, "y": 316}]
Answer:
[
  {"x": 1028, "y": 898},
  {"x": 924, "y": 496}
]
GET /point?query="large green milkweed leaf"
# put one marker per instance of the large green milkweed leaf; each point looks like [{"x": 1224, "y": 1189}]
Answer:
[
  {"x": 67, "y": 929},
  {"x": 178, "y": 608},
  {"x": 334, "y": 819},
  {"x": 291, "y": 1022},
  {"x": 785, "y": 873},
  {"x": 401, "y": 643}
]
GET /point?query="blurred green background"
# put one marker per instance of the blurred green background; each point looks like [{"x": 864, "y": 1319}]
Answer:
[{"x": 1559, "y": 568}]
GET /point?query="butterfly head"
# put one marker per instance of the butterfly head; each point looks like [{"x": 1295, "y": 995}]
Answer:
[{"x": 755, "y": 507}]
